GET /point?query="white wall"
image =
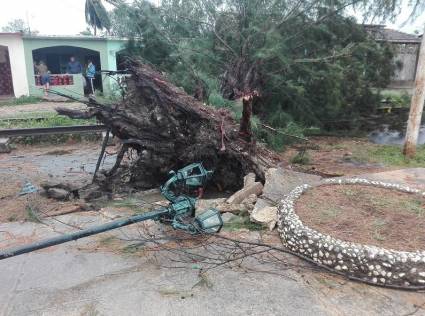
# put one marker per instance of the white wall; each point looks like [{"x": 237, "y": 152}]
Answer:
[{"x": 17, "y": 62}]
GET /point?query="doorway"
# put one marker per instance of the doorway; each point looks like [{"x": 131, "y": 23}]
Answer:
[{"x": 6, "y": 82}]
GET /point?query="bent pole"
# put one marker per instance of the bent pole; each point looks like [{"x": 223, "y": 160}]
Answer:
[{"x": 15, "y": 251}]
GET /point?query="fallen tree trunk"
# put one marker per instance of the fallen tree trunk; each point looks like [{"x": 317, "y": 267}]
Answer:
[{"x": 169, "y": 129}]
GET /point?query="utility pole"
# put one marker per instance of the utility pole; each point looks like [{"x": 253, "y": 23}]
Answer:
[{"x": 416, "y": 106}]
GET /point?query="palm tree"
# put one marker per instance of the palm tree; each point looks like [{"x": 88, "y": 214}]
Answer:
[{"x": 97, "y": 16}]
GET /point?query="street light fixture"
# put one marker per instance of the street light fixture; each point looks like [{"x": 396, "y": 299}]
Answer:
[{"x": 209, "y": 221}]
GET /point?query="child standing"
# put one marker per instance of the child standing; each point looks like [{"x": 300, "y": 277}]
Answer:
[{"x": 90, "y": 73}]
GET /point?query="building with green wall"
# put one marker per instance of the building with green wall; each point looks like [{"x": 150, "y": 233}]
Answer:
[{"x": 55, "y": 52}]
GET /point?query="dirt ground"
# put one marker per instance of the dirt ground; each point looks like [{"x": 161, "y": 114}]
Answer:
[
  {"x": 35, "y": 164},
  {"x": 366, "y": 215}
]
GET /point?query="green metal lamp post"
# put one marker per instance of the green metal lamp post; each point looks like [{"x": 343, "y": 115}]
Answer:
[{"x": 179, "y": 213}]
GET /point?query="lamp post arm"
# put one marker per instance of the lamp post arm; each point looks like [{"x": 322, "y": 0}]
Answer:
[{"x": 11, "y": 252}]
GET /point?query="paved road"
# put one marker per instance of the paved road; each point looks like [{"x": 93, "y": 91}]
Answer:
[
  {"x": 94, "y": 277},
  {"x": 84, "y": 278}
]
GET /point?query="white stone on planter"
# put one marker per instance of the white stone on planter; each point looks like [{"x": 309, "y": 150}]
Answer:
[{"x": 402, "y": 266}]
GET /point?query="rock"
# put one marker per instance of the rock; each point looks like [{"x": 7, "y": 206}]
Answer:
[
  {"x": 280, "y": 182},
  {"x": 249, "y": 202},
  {"x": 91, "y": 193},
  {"x": 65, "y": 185},
  {"x": 5, "y": 146},
  {"x": 163, "y": 203},
  {"x": 248, "y": 179},
  {"x": 272, "y": 225},
  {"x": 266, "y": 216},
  {"x": 228, "y": 217},
  {"x": 203, "y": 204},
  {"x": 237, "y": 198},
  {"x": 58, "y": 194},
  {"x": 261, "y": 203},
  {"x": 232, "y": 208}
]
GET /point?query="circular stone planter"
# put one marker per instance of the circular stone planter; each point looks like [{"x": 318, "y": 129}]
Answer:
[{"x": 369, "y": 263}]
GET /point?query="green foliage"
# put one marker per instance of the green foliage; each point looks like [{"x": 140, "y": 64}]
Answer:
[
  {"x": 31, "y": 214},
  {"x": 396, "y": 99},
  {"x": 242, "y": 222},
  {"x": 301, "y": 158},
  {"x": 309, "y": 61},
  {"x": 17, "y": 26},
  {"x": 389, "y": 155},
  {"x": 49, "y": 121},
  {"x": 96, "y": 15}
]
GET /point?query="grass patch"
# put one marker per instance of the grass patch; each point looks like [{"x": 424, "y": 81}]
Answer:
[
  {"x": 31, "y": 214},
  {"x": 107, "y": 240},
  {"x": 349, "y": 192},
  {"x": 378, "y": 224},
  {"x": 330, "y": 213},
  {"x": 415, "y": 206},
  {"x": 130, "y": 249},
  {"x": 20, "y": 101},
  {"x": 12, "y": 218},
  {"x": 301, "y": 158},
  {"x": 48, "y": 121},
  {"x": 136, "y": 205},
  {"x": 242, "y": 223},
  {"x": 389, "y": 155},
  {"x": 58, "y": 139}
]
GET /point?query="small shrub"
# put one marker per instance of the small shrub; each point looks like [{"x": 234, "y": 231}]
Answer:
[
  {"x": 301, "y": 158},
  {"x": 396, "y": 99}
]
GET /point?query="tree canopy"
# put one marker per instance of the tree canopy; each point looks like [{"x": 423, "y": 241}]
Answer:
[
  {"x": 17, "y": 25},
  {"x": 96, "y": 15},
  {"x": 307, "y": 60}
]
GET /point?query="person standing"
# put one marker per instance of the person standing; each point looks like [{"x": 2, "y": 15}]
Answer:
[
  {"x": 74, "y": 66},
  {"x": 90, "y": 74},
  {"x": 44, "y": 74}
]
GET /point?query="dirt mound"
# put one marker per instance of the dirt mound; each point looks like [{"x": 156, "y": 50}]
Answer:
[{"x": 366, "y": 215}]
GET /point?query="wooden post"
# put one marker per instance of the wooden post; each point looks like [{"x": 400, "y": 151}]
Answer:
[{"x": 416, "y": 106}]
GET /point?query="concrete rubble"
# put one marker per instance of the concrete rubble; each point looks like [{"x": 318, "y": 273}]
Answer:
[
  {"x": 58, "y": 194},
  {"x": 279, "y": 182},
  {"x": 266, "y": 216},
  {"x": 252, "y": 188},
  {"x": 228, "y": 217}
]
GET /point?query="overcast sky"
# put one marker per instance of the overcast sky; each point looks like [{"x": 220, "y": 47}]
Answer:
[{"x": 66, "y": 17}]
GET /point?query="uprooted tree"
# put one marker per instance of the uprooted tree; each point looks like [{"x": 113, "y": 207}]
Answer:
[
  {"x": 310, "y": 62},
  {"x": 168, "y": 129}
]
